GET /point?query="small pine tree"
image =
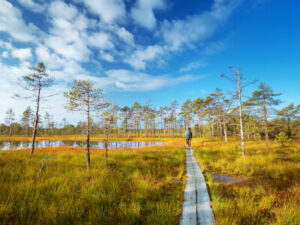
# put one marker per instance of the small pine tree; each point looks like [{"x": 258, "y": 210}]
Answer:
[{"x": 282, "y": 139}]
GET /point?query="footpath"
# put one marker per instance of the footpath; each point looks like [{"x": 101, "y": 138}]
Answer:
[{"x": 196, "y": 209}]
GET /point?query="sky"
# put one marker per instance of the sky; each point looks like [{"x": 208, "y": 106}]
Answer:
[{"x": 141, "y": 50}]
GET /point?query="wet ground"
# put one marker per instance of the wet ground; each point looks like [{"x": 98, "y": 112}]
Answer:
[
  {"x": 225, "y": 178},
  {"x": 16, "y": 145}
]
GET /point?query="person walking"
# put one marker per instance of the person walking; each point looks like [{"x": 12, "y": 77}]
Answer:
[{"x": 188, "y": 137}]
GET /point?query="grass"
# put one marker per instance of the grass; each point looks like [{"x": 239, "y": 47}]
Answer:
[
  {"x": 138, "y": 187},
  {"x": 270, "y": 190},
  {"x": 146, "y": 186}
]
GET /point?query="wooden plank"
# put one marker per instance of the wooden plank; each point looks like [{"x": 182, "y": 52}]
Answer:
[
  {"x": 196, "y": 206},
  {"x": 204, "y": 210},
  {"x": 189, "y": 212}
]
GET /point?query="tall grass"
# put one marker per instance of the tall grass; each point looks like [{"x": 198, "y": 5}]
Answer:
[
  {"x": 138, "y": 187},
  {"x": 270, "y": 187}
]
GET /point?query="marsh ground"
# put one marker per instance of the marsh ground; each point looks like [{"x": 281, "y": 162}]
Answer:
[
  {"x": 137, "y": 187},
  {"x": 146, "y": 186}
]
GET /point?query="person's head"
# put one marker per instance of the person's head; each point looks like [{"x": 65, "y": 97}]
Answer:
[{"x": 189, "y": 128}]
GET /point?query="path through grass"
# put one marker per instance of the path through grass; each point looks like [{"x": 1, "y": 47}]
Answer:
[{"x": 270, "y": 192}]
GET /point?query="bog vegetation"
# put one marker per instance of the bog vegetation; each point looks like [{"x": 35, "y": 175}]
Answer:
[{"x": 244, "y": 138}]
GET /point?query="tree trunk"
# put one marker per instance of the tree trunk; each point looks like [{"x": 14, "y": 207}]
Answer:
[
  {"x": 266, "y": 125},
  {"x": 27, "y": 130},
  {"x": 88, "y": 135},
  {"x": 116, "y": 127},
  {"x": 225, "y": 132},
  {"x": 10, "y": 130},
  {"x": 106, "y": 144},
  {"x": 36, "y": 119},
  {"x": 199, "y": 126},
  {"x": 241, "y": 115},
  {"x": 289, "y": 133},
  {"x": 209, "y": 122},
  {"x": 212, "y": 129}
]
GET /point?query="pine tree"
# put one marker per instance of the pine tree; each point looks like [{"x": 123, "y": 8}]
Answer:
[
  {"x": 264, "y": 97},
  {"x": 85, "y": 98}
]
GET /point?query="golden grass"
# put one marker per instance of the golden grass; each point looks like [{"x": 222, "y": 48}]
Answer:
[
  {"x": 142, "y": 185},
  {"x": 270, "y": 190},
  {"x": 138, "y": 187}
]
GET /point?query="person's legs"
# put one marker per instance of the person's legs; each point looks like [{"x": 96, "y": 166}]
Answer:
[{"x": 189, "y": 142}]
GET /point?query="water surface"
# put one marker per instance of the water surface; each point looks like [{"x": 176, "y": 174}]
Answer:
[
  {"x": 16, "y": 145},
  {"x": 225, "y": 178}
]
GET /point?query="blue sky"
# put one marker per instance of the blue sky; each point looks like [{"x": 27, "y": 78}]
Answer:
[{"x": 139, "y": 50}]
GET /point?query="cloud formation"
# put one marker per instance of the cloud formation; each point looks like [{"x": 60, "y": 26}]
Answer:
[
  {"x": 111, "y": 42},
  {"x": 108, "y": 10},
  {"x": 11, "y": 21},
  {"x": 143, "y": 12}
]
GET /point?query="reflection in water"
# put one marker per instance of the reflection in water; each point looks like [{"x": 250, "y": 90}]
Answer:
[{"x": 15, "y": 145}]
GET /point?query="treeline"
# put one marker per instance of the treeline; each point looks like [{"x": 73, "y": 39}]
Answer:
[
  {"x": 213, "y": 116},
  {"x": 217, "y": 115}
]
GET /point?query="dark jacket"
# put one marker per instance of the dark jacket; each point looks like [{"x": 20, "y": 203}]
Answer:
[{"x": 188, "y": 134}]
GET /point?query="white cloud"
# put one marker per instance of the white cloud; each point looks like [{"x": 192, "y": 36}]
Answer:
[
  {"x": 214, "y": 47},
  {"x": 143, "y": 15},
  {"x": 59, "y": 9},
  {"x": 108, "y": 10},
  {"x": 106, "y": 56},
  {"x": 22, "y": 54},
  {"x": 140, "y": 57},
  {"x": 125, "y": 35},
  {"x": 134, "y": 81},
  {"x": 32, "y": 5},
  {"x": 179, "y": 33},
  {"x": 77, "y": 51},
  {"x": 11, "y": 21},
  {"x": 192, "y": 66},
  {"x": 4, "y": 54},
  {"x": 67, "y": 33},
  {"x": 100, "y": 40},
  {"x": 53, "y": 61}
]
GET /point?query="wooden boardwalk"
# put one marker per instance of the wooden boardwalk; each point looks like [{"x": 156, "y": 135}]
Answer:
[{"x": 196, "y": 209}]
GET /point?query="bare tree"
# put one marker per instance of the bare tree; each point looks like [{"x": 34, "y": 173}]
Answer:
[
  {"x": 85, "y": 98},
  {"x": 239, "y": 82},
  {"x": 34, "y": 83}
]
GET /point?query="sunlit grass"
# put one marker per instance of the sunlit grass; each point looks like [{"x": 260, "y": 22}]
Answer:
[
  {"x": 145, "y": 186},
  {"x": 270, "y": 189},
  {"x": 137, "y": 187}
]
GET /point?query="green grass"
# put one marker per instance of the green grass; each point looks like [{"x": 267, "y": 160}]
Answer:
[
  {"x": 270, "y": 190},
  {"x": 138, "y": 187}
]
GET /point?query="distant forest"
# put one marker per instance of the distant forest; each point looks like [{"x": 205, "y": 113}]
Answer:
[{"x": 213, "y": 116}]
